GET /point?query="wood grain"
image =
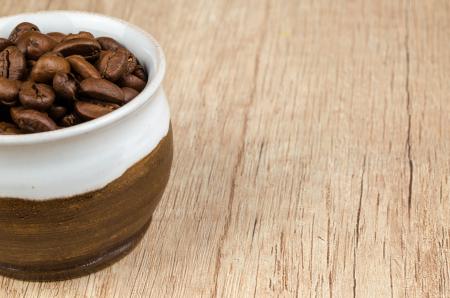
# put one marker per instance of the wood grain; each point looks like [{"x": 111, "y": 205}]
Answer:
[{"x": 311, "y": 151}]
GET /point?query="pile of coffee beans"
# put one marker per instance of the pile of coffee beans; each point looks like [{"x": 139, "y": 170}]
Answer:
[{"x": 53, "y": 80}]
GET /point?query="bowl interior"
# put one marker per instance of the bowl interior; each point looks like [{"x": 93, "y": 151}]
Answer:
[
  {"x": 99, "y": 25},
  {"x": 139, "y": 42}
]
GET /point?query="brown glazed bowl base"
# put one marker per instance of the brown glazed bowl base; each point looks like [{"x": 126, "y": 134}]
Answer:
[
  {"x": 69, "y": 237},
  {"x": 94, "y": 264}
]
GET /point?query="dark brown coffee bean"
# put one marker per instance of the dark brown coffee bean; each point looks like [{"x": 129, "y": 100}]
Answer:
[
  {"x": 35, "y": 44},
  {"x": 86, "y": 47},
  {"x": 21, "y": 29},
  {"x": 81, "y": 34},
  {"x": 131, "y": 62},
  {"x": 57, "y": 112},
  {"x": 65, "y": 86},
  {"x": 36, "y": 96},
  {"x": 9, "y": 91},
  {"x": 4, "y": 43},
  {"x": 12, "y": 63},
  {"x": 47, "y": 66},
  {"x": 32, "y": 121},
  {"x": 140, "y": 72},
  {"x": 103, "y": 90},
  {"x": 7, "y": 128},
  {"x": 83, "y": 67},
  {"x": 129, "y": 93},
  {"x": 57, "y": 36},
  {"x": 132, "y": 81},
  {"x": 70, "y": 120},
  {"x": 88, "y": 78},
  {"x": 113, "y": 64},
  {"x": 108, "y": 43},
  {"x": 92, "y": 110}
]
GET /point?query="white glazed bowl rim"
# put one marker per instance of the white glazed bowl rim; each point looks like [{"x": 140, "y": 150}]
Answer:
[{"x": 86, "y": 127}]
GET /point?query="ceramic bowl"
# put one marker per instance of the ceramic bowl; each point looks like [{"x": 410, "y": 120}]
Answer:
[{"x": 75, "y": 200}]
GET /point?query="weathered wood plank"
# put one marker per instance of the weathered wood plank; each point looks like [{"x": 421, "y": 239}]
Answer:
[{"x": 311, "y": 151}]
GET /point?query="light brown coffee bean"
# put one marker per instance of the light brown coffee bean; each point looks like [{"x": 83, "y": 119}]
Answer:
[
  {"x": 4, "y": 43},
  {"x": 32, "y": 121},
  {"x": 65, "y": 86},
  {"x": 131, "y": 63},
  {"x": 21, "y": 29},
  {"x": 81, "y": 34},
  {"x": 113, "y": 64},
  {"x": 36, "y": 96},
  {"x": 12, "y": 63},
  {"x": 94, "y": 109},
  {"x": 35, "y": 44},
  {"x": 9, "y": 91},
  {"x": 103, "y": 90},
  {"x": 108, "y": 43},
  {"x": 83, "y": 67},
  {"x": 57, "y": 36},
  {"x": 139, "y": 71},
  {"x": 129, "y": 93},
  {"x": 47, "y": 66},
  {"x": 86, "y": 47},
  {"x": 132, "y": 81}
]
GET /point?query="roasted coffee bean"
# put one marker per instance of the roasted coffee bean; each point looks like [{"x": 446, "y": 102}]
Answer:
[
  {"x": 132, "y": 81},
  {"x": 12, "y": 63},
  {"x": 129, "y": 93},
  {"x": 57, "y": 112},
  {"x": 65, "y": 86},
  {"x": 35, "y": 44},
  {"x": 56, "y": 36},
  {"x": 9, "y": 91},
  {"x": 36, "y": 96},
  {"x": 109, "y": 43},
  {"x": 21, "y": 29},
  {"x": 83, "y": 67},
  {"x": 140, "y": 72},
  {"x": 4, "y": 43},
  {"x": 81, "y": 34},
  {"x": 49, "y": 78},
  {"x": 94, "y": 109},
  {"x": 32, "y": 121},
  {"x": 7, "y": 128},
  {"x": 113, "y": 64},
  {"x": 131, "y": 62},
  {"x": 70, "y": 120},
  {"x": 47, "y": 66},
  {"x": 103, "y": 90},
  {"x": 87, "y": 47}
]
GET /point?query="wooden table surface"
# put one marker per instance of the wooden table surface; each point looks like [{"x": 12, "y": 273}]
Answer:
[{"x": 312, "y": 151}]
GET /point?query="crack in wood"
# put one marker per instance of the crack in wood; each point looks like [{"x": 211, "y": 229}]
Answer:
[
  {"x": 409, "y": 112},
  {"x": 358, "y": 217}
]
